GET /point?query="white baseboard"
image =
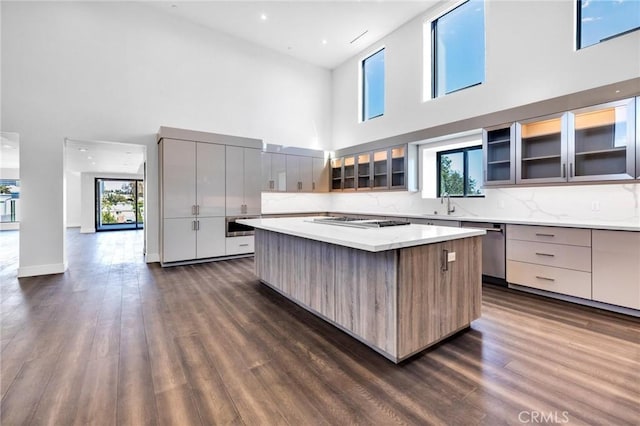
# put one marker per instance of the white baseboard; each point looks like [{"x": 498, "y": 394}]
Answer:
[
  {"x": 73, "y": 225},
  {"x": 35, "y": 270},
  {"x": 84, "y": 230},
  {"x": 152, "y": 257}
]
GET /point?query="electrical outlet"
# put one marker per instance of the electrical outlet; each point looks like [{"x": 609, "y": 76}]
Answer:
[
  {"x": 451, "y": 256},
  {"x": 595, "y": 206}
]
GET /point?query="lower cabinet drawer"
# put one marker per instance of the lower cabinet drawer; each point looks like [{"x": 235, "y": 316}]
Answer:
[
  {"x": 558, "y": 280},
  {"x": 240, "y": 245},
  {"x": 557, "y": 255}
]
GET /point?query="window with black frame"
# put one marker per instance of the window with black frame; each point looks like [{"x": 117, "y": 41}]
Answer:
[
  {"x": 458, "y": 48},
  {"x": 460, "y": 172},
  {"x": 601, "y": 20}
]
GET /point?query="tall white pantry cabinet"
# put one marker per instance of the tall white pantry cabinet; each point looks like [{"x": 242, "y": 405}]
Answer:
[{"x": 195, "y": 194}]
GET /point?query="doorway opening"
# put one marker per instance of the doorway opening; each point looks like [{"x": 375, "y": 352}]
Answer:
[{"x": 119, "y": 204}]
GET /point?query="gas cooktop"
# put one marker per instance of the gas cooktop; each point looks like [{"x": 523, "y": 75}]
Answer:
[{"x": 356, "y": 222}]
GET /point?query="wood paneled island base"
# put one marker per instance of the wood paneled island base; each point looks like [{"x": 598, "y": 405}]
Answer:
[{"x": 397, "y": 301}]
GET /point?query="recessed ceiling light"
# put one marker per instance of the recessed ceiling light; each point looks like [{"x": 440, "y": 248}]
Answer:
[
  {"x": 617, "y": 91},
  {"x": 93, "y": 162},
  {"x": 263, "y": 16},
  {"x": 324, "y": 41},
  {"x": 82, "y": 149},
  {"x": 89, "y": 157},
  {"x": 8, "y": 146}
]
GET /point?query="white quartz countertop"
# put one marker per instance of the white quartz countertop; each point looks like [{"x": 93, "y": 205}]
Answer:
[
  {"x": 369, "y": 239},
  {"x": 626, "y": 226}
]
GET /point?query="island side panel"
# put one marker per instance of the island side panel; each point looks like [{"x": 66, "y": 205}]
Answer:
[
  {"x": 366, "y": 295},
  {"x": 302, "y": 269},
  {"x": 434, "y": 303}
]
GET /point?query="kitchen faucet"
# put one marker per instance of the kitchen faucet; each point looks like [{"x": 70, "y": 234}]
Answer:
[{"x": 448, "y": 197}]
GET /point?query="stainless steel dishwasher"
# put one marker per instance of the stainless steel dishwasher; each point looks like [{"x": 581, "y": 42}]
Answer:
[{"x": 493, "y": 251}]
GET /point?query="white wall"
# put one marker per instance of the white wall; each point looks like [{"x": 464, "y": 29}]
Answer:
[
  {"x": 7, "y": 173},
  {"x": 73, "y": 196},
  {"x": 530, "y": 57},
  {"x": 119, "y": 70}
]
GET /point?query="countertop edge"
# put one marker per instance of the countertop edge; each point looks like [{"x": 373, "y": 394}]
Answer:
[{"x": 467, "y": 233}]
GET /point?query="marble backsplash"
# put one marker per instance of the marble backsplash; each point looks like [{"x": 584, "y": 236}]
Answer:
[{"x": 615, "y": 204}]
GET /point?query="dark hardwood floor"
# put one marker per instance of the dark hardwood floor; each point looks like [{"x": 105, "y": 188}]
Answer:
[{"x": 116, "y": 341}]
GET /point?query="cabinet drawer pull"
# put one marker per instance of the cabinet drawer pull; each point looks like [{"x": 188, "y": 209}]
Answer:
[
  {"x": 445, "y": 260},
  {"x": 546, "y": 254},
  {"x": 193, "y": 225},
  {"x": 564, "y": 170},
  {"x": 545, "y": 235},
  {"x": 193, "y": 210},
  {"x": 544, "y": 278},
  {"x": 243, "y": 245}
]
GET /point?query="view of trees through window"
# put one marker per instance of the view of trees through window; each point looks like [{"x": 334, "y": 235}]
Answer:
[
  {"x": 120, "y": 204},
  {"x": 460, "y": 172}
]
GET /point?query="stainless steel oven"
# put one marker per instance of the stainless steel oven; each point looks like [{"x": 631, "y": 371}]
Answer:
[{"x": 235, "y": 229}]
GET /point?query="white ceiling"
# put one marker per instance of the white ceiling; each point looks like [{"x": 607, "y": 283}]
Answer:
[
  {"x": 298, "y": 27},
  {"x": 104, "y": 157}
]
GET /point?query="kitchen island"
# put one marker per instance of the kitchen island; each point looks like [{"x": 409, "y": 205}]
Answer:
[{"x": 398, "y": 289}]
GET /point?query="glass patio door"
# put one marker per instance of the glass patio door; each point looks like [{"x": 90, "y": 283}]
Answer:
[{"x": 119, "y": 204}]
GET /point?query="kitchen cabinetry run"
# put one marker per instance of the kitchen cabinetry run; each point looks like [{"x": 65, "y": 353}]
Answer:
[
  {"x": 291, "y": 169},
  {"x": 550, "y": 258},
  {"x": 597, "y": 143},
  {"x": 499, "y": 151},
  {"x": 193, "y": 198},
  {"x": 243, "y": 181},
  {"x": 616, "y": 267},
  {"x": 205, "y": 177},
  {"x": 373, "y": 170}
]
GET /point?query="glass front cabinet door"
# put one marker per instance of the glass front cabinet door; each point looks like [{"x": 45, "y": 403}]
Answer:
[
  {"x": 364, "y": 172},
  {"x": 499, "y": 150},
  {"x": 398, "y": 167},
  {"x": 336, "y": 174},
  {"x": 380, "y": 171},
  {"x": 541, "y": 150},
  {"x": 349, "y": 177},
  {"x": 602, "y": 142}
]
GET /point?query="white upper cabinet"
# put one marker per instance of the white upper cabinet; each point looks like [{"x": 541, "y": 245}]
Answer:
[
  {"x": 274, "y": 172},
  {"x": 178, "y": 178},
  {"x": 210, "y": 175},
  {"x": 320, "y": 181},
  {"x": 602, "y": 142}
]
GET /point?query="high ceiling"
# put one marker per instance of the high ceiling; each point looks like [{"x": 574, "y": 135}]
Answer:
[{"x": 319, "y": 32}]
